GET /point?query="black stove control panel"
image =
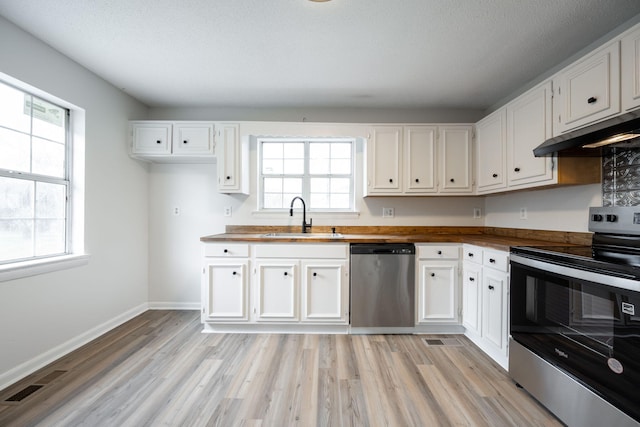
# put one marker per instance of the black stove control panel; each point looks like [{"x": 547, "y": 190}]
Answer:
[{"x": 615, "y": 220}]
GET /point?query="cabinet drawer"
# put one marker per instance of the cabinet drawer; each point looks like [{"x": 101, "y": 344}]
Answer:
[
  {"x": 472, "y": 254},
  {"x": 496, "y": 260},
  {"x": 438, "y": 252},
  {"x": 226, "y": 250},
  {"x": 301, "y": 250}
]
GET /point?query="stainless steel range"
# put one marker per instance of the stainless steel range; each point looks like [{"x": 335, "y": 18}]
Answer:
[{"x": 575, "y": 322}]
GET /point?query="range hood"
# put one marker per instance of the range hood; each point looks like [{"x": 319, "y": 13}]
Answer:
[{"x": 619, "y": 131}]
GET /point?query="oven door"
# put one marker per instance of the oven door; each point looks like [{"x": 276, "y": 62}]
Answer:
[{"x": 577, "y": 321}]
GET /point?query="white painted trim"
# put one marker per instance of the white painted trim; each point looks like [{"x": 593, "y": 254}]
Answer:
[
  {"x": 30, "y": 366},
  {"x": 162, "y": 305},
  {"x": 17, "y": 270}
]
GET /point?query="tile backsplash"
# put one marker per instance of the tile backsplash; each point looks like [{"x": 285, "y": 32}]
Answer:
[{"x": 621, "y": 177}]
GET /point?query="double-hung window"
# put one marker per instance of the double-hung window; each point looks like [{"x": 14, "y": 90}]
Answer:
[
  {"x": 35, "y": 184},
  {"x": 319, "y": 170}
]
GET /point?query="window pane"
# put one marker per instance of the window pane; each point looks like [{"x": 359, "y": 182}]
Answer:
[
  {"x": 50, "y": 201},
  {"x": 294, "y": 167},
  {"x": 340, "y": 185},
  {"x": 48, "y": 158},
  {"x": 319, "y": 150},
  {"x": 341, "y": 150},
  {"x": 319, "y": 201},
  {"x": 15, "y": 150},
  {"x": 294, "y": 150},
  {"x": 319, "y": 166},
  {"x": 16, "y": 239},
  {"x": 273, "y": 201},
  {"x": 272, "y": 150},
  {"x": 48, "y": 121},
  {"x": 16, "y": 198},
  {"x": 12, "y": 109},
  {"x": 293, "y": 185},
  {"x": 273, "y": 185},
  {"x": 50, "y": 237},
  {"x": 341, "y": 167},
  {"x": 319, "y": 185},
  {"x": 340, "y": 201},
  {"x": 272, "y": 167}
]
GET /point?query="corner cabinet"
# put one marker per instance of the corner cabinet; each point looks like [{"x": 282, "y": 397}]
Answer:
[
  {"x": 438, "y": 285},
  {"x": 418, "y": 160},
  {"x": 486, "y": 300},
  {"x": 172, "y": 142},
  {"x": 232, "y": 160}
]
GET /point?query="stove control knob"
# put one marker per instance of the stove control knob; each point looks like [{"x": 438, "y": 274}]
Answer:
[
  {"x": 596, "y": 218},
  {"x": 612, "y": 218}
]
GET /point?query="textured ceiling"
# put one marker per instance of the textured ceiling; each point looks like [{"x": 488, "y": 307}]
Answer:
[{"x": 342, "y": 53}]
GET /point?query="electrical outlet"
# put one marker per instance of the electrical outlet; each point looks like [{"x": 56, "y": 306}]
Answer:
[
  {"x": 523, "y": 213},
  {"x": 387, "y": 212},
  {"x": 176, "y": 210},
  {"x": 227, "y": 211},
  {"x": 477, "y": 213}
]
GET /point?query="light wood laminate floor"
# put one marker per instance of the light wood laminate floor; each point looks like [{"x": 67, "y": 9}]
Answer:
[{"x": 159, "y": 369}]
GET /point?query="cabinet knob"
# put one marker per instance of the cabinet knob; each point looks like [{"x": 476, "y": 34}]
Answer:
[
  {"x": 390, "y": 179},
  {"x": 417, "y": 179},
  {"x": 439, "y": 252},
  {"x": 452, "y": 180},
  {"x": 490, "y": 287},
  {"x": 226, "y": 251},
  {"x": 315, "y": 274},
  {"x": 471, "y": 279},
  {"x": 495, "y": 175},
  {"x": 185, "y": 141},
  {"x": 470, "y": 254},
  {"x": 592, "y": 100},
  {"x": 228, "y": 177},
  {"x": 234, "y": 273},
  {"x": 492, "y": 261},
  {"x": 158, "y": 142},
  {"x": 433, "y": 274},
  {"x": 286, "y": 273},
  {"x": 516, "y": 169}
]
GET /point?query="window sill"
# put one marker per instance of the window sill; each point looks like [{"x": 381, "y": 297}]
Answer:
[
  {"x": 22, "y": 269},
  {"x": 285, "y": 214}
]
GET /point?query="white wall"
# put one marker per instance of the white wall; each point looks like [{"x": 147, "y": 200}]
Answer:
[{"x": 40, "y": 316}]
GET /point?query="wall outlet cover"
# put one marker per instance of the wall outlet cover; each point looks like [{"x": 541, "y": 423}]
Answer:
[{"x": 387, "y": 212}]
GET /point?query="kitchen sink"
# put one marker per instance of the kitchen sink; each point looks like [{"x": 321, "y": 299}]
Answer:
[{"x": 303, "y": 235}]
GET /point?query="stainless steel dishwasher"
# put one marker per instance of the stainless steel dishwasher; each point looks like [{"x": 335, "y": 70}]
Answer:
[{"x": 382, "y": 285}]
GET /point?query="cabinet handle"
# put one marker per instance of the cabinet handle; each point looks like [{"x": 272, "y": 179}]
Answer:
[
  {"x": 158, "y": 142},
  {"x": 185, "y": 141},
  {"x": 471, "y": 279},
  {"x": 470, "y": 254},
  {"x": 492, "y": 261},
  {"x": 439, "y": 252},
  {"x": 490, "y": 287},
  {"x": 495, "y": 175},
  {"x": 516, "y": 169},
  {"x": 433, "y": 274},
  {"x": 234, "y": 273},
  {"x": 592, "y": 100},
  {"x": 452, "y": 180}
]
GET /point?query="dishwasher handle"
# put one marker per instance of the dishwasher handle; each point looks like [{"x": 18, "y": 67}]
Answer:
[{"x": 383, "y": 249}]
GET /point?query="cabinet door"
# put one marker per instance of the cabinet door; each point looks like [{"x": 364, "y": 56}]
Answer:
[
  {"x": 630, "y": 72},
  {"x": 491, "y": 152},
  {"x": 589, "y": 90},
  {"x": 437, "y": 294},
  {"x": 420, "y": 159},
  {"x": 528, "y": 126},
  {"x": 324, "y": 291},
  {"x": 150, "y": 138},
  {"x": 455, "y": 155},
  {"x": 472, "y": 297},
  {"x": 228, "y": 157},
  {"x": 193, "y": 139},
  {"x": 277, "y": 291},
  {"x": 494, "y": 308},
  {"x": 384, "y": 152},
  {"x": 225, "y": 291}
]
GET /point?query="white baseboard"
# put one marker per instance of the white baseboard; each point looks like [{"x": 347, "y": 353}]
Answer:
[
  {"x": 160, "y": 305},
  {"x": 30, "y": 366}
]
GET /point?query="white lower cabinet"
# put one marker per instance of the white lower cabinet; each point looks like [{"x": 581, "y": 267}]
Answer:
[
  {"x": 438, "y": 283},
  {"x": 486, "y": 300},
  {"x": 284, "y": 284}
]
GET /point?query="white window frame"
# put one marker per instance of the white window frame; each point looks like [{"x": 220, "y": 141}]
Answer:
[
  {"x": 306, "y": 176},
  {"x": 74, "y": 255}
]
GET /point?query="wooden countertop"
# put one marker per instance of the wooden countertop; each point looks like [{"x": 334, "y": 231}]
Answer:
[{"x": 491, "y": 237}]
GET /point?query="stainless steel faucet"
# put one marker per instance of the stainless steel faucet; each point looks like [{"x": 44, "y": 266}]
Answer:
[{"x": 305, "y": 226}]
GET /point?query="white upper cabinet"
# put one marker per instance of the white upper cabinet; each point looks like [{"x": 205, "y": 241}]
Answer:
[
  {"x": 528, "y": 126},
  {"x": 384, "y": 160},
  {"x": 455, "y": 145},
  {"x": 232, "y": 158},
  {"x": 172, "y": 142},
  {"x": 420, "y": 159},
  {"x": 630, "y": 72},
  {"x": 491, "y": 152},
  {"x": 588, "y": 90}
]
